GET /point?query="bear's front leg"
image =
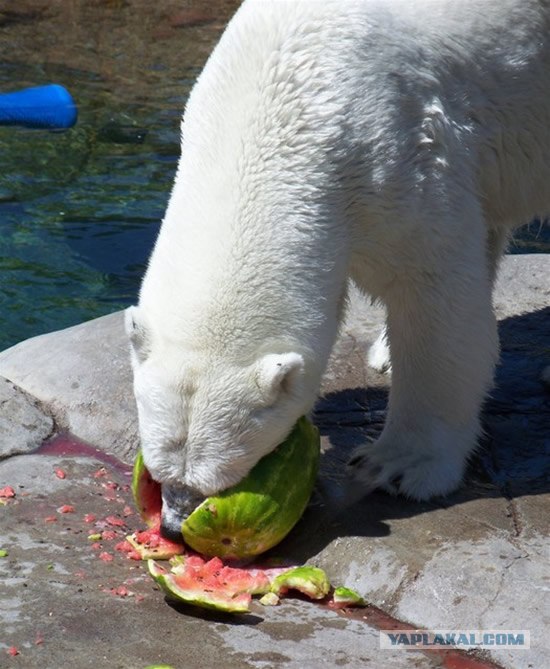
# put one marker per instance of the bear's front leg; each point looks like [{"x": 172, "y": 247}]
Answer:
[{"x": 443, "y": 342}]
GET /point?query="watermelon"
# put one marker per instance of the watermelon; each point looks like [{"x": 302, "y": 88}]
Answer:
[
  {"x": 343, "y": 597},
  {"x": 210, "y": 584},
  {"x": 245, "y": 520},
  {"x": 149, "y": 543},
  {"x": 269, "y": 599},
  {"x": 146, "y": 492},
  {"x": 256, "y": 514},
  {"x": 310, "y": 581}
]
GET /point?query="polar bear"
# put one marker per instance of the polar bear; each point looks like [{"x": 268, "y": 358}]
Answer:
[{"x": 394, "y": 143}]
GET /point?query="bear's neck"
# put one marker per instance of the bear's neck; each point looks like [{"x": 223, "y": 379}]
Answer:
[
  {"x": 253, "y": 252},
  {"x": 264, "y": 274}
]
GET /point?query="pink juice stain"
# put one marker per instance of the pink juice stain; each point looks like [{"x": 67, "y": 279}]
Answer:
[
  {"x": 452, "y": 658},
  {"x": 69, "y": 446}
]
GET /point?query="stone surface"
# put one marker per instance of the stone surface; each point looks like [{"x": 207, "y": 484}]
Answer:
[
  {"x": 23, "y": 424},
  {"x": 83, "y": 376},
  {"x": 500, "y": 582},
  {"x": 523, "y": 285},
  {"x": 478, "y": 558}
]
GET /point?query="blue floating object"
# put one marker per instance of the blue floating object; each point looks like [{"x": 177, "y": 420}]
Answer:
[{"x": 48, "y": 106}]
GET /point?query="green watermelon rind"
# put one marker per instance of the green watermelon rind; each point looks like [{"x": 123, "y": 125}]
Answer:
[
  {"x": 256, "y": 514},
  {"x": 310, "y": 581},
  {"x": 214, "y": 601},
  {"x": 347, "y": 596}
]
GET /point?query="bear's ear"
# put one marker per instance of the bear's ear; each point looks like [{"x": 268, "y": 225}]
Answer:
[
  {"x": 137, "y": 333},
  {"x": 278, "y": 373}
]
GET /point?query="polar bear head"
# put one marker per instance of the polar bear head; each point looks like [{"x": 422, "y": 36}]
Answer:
[{"x": 205, "y": 420}]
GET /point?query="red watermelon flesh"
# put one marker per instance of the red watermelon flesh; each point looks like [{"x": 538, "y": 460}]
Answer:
[
  {"x": 150, "y": 543},
  {"x": 212, "y": 585},
  {"x": 148, "y": 498},
  {"x": 146, "y": 492}
]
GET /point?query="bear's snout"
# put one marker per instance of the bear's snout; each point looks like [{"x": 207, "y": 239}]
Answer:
[{"x": 177, "y": 504}]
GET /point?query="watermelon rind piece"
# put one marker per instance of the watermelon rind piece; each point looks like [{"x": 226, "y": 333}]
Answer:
[
  {"x": 213, "y": 585},
  {"x": 343, "y": 596},
  {"x": 217, "y": 600},
  {"x": 164, "y": 551},
  {"x": 256, "y": 514},
  {"x": 310, "y": 581},
  {"x": 269, "y": 599}
]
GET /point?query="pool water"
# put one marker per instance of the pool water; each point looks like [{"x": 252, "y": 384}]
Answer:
[{"x": 79, "y": 210}]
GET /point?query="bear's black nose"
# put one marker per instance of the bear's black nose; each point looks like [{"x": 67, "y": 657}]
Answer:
[
  {"x": 177, "y": 504},
  {"x": 169, "y": 531}
]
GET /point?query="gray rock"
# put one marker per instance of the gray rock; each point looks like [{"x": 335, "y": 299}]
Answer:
[
  {"x": 497, "y": 584},
  {"x": 83, "y": 376},
  {"x": 523, "y": 285},
  {"x": 23, "y": 423}
]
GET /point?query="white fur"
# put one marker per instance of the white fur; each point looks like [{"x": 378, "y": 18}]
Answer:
[
  {"x": 379, "y": 357},
  {"x": 396, "y": 142}
]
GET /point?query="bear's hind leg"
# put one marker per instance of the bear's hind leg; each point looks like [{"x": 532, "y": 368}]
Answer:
[{"x": 379, "y": 354}]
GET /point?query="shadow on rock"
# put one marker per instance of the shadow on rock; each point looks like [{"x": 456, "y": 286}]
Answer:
[
  {"x": 516, "y": 455},
  {"x": 212, "y": 615}
]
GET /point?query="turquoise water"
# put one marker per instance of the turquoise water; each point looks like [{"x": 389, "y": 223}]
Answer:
[{"x": 79, "y": 211}]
